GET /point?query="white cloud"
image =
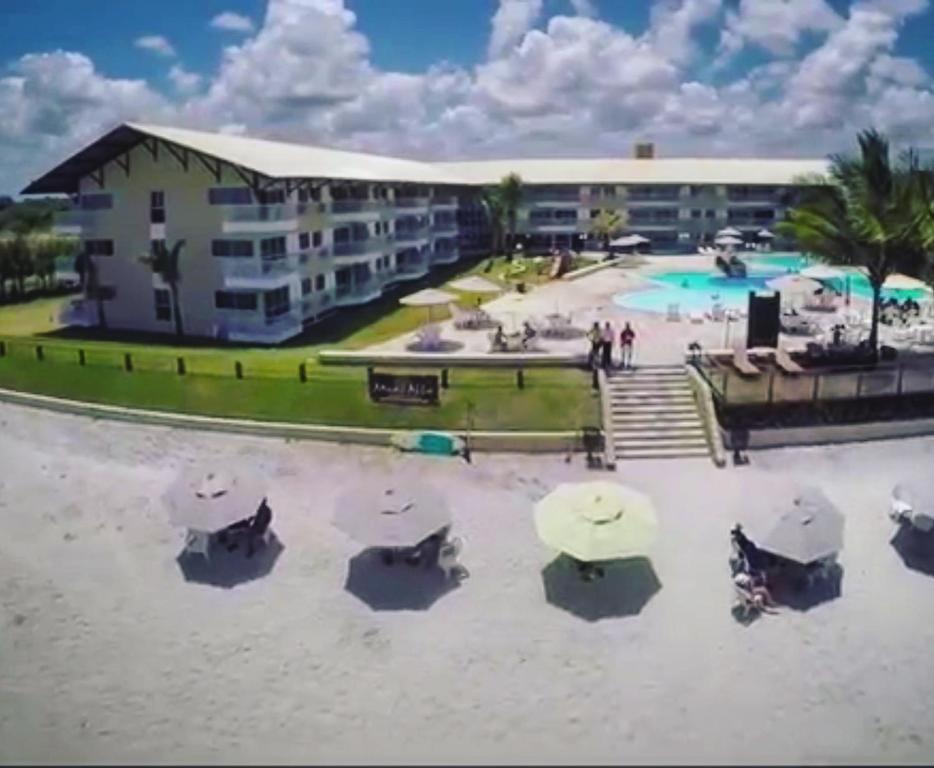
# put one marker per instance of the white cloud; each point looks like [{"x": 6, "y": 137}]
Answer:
[
  {"x": 513, "y": 18},
  {"x": 776, "y": 25},
  {"x": 185, "y": 82},
  {"x": 232, "y": 22},
  {"x": 673, "y": 23},
  {"x": 157, "y": 44},
  {"x": 584, "y": 8}
]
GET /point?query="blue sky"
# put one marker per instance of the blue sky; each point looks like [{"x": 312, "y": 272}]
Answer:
[{"x": 469, "y": 78}]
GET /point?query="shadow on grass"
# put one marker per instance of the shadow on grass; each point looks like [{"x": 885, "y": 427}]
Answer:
[
  {"x": 915, "y": 548},
  {"x": 398, "y": 587},
  {"x": 446, "y": 345},
  {"x": 230, "y": 569},
  {"x": 624, "y": 590}
]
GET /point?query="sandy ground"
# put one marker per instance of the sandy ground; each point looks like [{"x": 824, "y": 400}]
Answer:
[{"x": 108, "y": 655}]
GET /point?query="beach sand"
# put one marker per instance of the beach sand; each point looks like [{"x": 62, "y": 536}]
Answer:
[{"x": 108, "y": 655}]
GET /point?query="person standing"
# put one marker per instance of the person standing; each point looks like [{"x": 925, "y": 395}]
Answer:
[
  {"x": 607, "y": 345},
  {"x": 594, "y": 337},
  {"x": 626, "y": 338}
]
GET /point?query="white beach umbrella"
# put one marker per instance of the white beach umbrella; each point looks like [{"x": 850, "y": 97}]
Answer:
[
  {"x": 729, "y": 232},
  {"x": 796, "y": 284},
  {"x": 764, "y": 234},
  {"x": 211, "y": 500},
  {"x": 728, "y": 240},
  {"x": 900, "y": 282},
  {"x": 629, "y": 240},
  {"x": 475, "y": 284},
  {"x": 822, "y": 272},
  {"x": 806, "y": 530},
  {"x": 390, "y": 513}
]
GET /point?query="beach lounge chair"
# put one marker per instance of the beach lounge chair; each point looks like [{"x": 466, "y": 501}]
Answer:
[
  {"x": 198, "y": 543},
  {"x": 447, "y": 559},
  {"x": 785, "y": 363},
  {"x": 696, "y": 317},
  {"x": 741, "y": 362},
  {"x": 429, "y": 337},
  {"x": 717, "y": 312}
]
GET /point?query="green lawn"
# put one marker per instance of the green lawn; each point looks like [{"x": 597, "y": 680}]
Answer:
[{"x": 552, "y": 399}]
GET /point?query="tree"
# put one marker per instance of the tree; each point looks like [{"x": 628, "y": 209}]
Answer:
[
  {"x": 21, "y": 259},
  {"x": 867, "y": 212},
  {"x": 510, "y": 197},
  {"x": 45, "y": 251},
  {"x": 6, "y": 265},
  {"x": 165, "y": 263},
  {"x": 494, "y": 210},
  {"x": 87, "y": 270},
  {"x": 608, "y": 224}
]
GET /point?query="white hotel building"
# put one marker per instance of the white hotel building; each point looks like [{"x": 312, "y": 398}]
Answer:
[{"x": 277, "y": 236}]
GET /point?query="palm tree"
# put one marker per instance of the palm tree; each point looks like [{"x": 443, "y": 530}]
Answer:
[
  {"x": 494, "y": 209},
  {"x": 608, "y": 224},
  {"x": 86, "y": 268},
  {"x": 867, "y": 212},
  {"x": 510, "y": 196},
  {"x": 164, "y": 262}
]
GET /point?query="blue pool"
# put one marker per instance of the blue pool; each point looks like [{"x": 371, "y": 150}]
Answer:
[{"x": 698, "y": 291}]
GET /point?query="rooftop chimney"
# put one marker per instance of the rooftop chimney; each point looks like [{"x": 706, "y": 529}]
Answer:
[{"x": 644, "y": 150}]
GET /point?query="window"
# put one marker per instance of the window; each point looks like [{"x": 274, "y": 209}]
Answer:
[
  {"x": 308, "y": 194},
  {"x": 306, "y": 286},
  {"x": 304, "y": 240},
  {"x": 97, "y": 202},
  {"x": 230, "y": 196},
  {"x": 316, "y": 239},
  {"x": 319, "y": 283},
  {"x": 157, "y": 207},
  {"x": 711, "y": 214},
  {"x": 271, "y": 197},
  {"x": 99, "y": 247},
  {"x": 232, "y": 248},
  {"x": 163, "y": 304},
  {"x": 276, "y": 302},
  {"x": 696, "y": 213},
  {"x": 272, "y": 247},
  {"x": 245, "y": 300}
]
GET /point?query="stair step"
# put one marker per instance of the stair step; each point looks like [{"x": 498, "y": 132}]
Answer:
[
  {"x": 650, "y": 398},
  {"x": 653, "y": 440},
  {"x": 653, "y": 377},
  {"x": 643, "y": 389},
  {"x": 687, "y": 434},
  {"x": 662, "y": 453},
  {"x": 654, "y": 426},
  {"x": 646, "y": 408}
]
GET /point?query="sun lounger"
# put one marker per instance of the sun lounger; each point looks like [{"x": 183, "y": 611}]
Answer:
[
  {"x": 741, "y": 362},
  {"x": 785, "y": 363},
  {"x": 198, "y": 543},
  {"x": 447, "y": 559},
  {"x": 717, "y": 313},
  {"x": 696, "y": 317}
]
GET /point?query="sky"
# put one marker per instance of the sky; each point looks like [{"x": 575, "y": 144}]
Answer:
[{"x": 469, "y": 79}]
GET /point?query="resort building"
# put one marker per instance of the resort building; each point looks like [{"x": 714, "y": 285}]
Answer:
[{"x": 277, "y": 236}]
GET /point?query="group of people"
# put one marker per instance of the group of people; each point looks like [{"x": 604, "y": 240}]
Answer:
[
  {"x": 499, "y": 337},
  {"x": 601, "y": 345},
  {"x": 252, "y": 528},
  {"x": 891, "y": 310}
]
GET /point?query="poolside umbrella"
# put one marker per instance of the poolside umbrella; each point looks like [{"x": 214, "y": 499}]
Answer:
[
  {"x": 391, "y": 514},
  {"x": 822, "y": 272},
  {"x": 596, "y": 521},
  {"x": 900, "y": 282},
  {"x": 211, "y": 500},
  {"x": 796, "y": 284},
  {"x": 428, "y": 297},
  {"x": 475, "y": 284},
  {"x": 628, "y": 241},
  {"x": 811, "y": 529},
  {"x": 729, "y": 232},
  {"x": 764, "y": 234},
  {"x": 728, "y": 240}
]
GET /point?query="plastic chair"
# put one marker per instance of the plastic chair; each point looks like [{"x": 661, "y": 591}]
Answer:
[
  {"x": 447, "y": 559},
  {"x": 198, "y": 543}
]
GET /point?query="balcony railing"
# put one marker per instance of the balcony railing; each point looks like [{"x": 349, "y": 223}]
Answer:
[
  {"x": 441, "y": 200},
  {"x": 73, "y": 222},
  {"x": 444, "y": 226},
  {"x": 359, "y": 247},
  {"x": 255, "y": 326},
  {"x": 266, "y": 213},
  {"x": 410, "y": 235},
  {"x": 411, "y": 202},
  {"x": 357, "y": 206},
  {"x": 258, "y": 267}
]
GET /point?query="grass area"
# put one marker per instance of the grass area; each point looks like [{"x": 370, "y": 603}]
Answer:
[{"x": 551, "y": 400}]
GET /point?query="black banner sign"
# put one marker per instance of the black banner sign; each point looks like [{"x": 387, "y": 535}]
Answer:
[{"x": 403, "y": 389}]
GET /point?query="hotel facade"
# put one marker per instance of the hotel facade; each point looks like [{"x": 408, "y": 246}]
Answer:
[{"x": 278, "y": 236}]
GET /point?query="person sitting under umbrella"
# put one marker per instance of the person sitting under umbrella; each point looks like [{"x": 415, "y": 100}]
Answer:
[
  {"x": 749, "y": 557},
  {"x": 757, "y": 591},
  {"x": 252, "y": 527}
]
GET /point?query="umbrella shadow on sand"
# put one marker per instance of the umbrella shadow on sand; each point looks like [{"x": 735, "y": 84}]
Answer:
[
  {"x": 229, "y": 569},
  {"x": 915, "y": 548},
  {"x": 397, "y": 587},
  {"x": 793, "y": 593},
  {"x": 624, "y": 590}
]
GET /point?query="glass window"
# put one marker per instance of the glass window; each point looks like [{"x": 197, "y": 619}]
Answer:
[
  {"x": 230, "y": 196},
  {"x": 316, "y": 239},
  {"x": 696, "y": 213},
  {"x": 271, "y": 197},
  {"x": 157, "y": 207},
  {"x": 232, "y": 248},
  {"x": 319, "y": 283},
  {"x": 97, "y": 202},
  {"x": 271, "y": 247},
  {"x": 304, "y": 240},
  {"x": 163, "y": 304},
  {"x": 306, "y": 286},
  {"x": 99, "y": 247},
  {"x": 244, "y": 300},
  {"x": 276, "y": 302}
]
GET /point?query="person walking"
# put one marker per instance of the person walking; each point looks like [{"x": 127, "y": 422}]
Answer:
[
  {"x": 626, "y": 338},
  {"x": 607, "y": 345},
  {"x": 594, "y": 337}
]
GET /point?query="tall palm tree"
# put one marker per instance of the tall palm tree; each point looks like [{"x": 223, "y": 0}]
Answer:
[
  {"x": 867, "y": 212},
  {"x": 510, "y": 196},
  {"x": 607, "y": 224},
  {"x": 494, "y": 209},
  {"x": 164, "y": 262},
  {"x": 88, "y": 277}
]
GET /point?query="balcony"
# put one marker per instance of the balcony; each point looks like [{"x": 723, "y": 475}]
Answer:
[
  {"x": 411, "y": 202},
  {"x": 352, "y": 294},
  {"x": 74, "y": 222},
  {"x": 410, "y": 270},
  {"x": 550, "y": 197},
  {"x": 262, "y": 219},
  {"x": 442, "y": 201},
  {"x": 254, "y": 327},
  {"x": 594, "y": 201},
  {"x": 345, "y": 210},
  {"x": 411, "y": 235},
  {"x": 444, "y": 228},
  {"x": 256, "y": 273},
  {"x": 362, "y": 247},
  {"x": 448, "y": 256}
]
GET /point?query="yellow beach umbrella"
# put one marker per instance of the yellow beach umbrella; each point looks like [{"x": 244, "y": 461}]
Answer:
[{"x": 596, "y": 521}]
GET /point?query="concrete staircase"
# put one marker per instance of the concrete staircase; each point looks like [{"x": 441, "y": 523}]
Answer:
[{"x": 653, "y": 415}]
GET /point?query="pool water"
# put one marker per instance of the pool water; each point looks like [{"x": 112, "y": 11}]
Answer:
[{"x": 698, "y": 291}]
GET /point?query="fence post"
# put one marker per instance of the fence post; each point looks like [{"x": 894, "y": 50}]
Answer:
[
  {"x": 901, "y": 374},
  {"x": 859, "y": 385},
  {"x": 2, "y": 349},
  {"x": 445, "y": 383},
  {"x": 814, "y": 393},
  {"x": 40, "y": 353},
  {"x": 771, "y": 386},
  {"x": 81, "y": 358},
  {"x": 520, "y": 378},
  {"x": 127, "y": 362},
  {"x": 302, "y": 373},
  {"x": 238, "y": 369},
  {"x": 180, "y": 365},
  {"x": 595, "y": 379}
]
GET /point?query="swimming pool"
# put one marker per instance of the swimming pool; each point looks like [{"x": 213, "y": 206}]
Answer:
[{"x": 698, "y": 291}]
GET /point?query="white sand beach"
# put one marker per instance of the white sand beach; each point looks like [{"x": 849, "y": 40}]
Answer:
[{"x": 108, "y": 655}]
